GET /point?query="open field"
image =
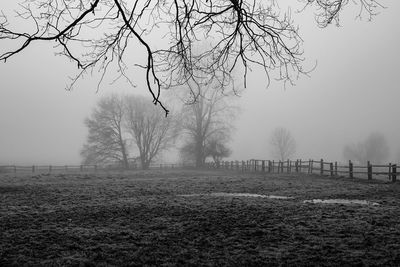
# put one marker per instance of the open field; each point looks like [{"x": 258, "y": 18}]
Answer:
[{"x": 141, "y": 218}]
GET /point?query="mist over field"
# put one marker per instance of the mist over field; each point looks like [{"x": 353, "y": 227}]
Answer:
[
  {"x": 352, "y": 92},
  {"x": 199, "y": 133}
]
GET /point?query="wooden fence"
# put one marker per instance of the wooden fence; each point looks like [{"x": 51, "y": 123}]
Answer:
[
  {"x": 47, "y": 168},
  {"x": 321, "y": 167},
  {"x": 41, "y": 169},
  {"x": 370, "y": 171}
]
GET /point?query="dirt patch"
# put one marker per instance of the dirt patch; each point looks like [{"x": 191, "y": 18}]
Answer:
[{"x": 139, "y": 219}]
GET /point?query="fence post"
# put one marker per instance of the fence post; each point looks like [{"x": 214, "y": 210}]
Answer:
[
  {"x": 394, "y": 173},
  {"x": 255, "y": 165},
  {"x": 331, "y": 167},
  {"x": 390, "y": 171},
  {"x": 263, "y": 166},
  {"x": 300, "y": 167},
  {"x": 350, "y": 169},
  {"x": 369, "y": 170},
  {"x": 322, "y": 167},
  {"x": 311, "y": 165},
  {"x": 273, "y": 166},
  {"x": 336, "y": 173},
  {"x": 289, "y": 166},
  {"x": 33, "y": 168}
]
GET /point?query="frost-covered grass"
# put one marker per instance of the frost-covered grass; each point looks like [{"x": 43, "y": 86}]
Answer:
[{"x": 144, "y": 218}]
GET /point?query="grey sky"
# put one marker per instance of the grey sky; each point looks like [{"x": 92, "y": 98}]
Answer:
[{"x": 353, "y": 91}]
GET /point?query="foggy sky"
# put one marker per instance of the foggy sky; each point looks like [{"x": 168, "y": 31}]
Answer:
[{"x": 353, "y": 91}]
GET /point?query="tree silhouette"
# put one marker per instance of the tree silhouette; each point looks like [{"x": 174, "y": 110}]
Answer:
[
  {"x": 150, "y": 131},
  {"x": 282, "y": 143},
  {"x": 217, "y": 149},
  {"x": 374, "y": 149},
  {"x": 120, "y": 123},
  {"x": 206, "y": 120},
  {"x": 96, "y": 34},
  {"x": 107, "y": 140}
]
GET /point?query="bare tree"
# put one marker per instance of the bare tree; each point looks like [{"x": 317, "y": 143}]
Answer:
[
  {"x": 374, "y": 149},
  {"x": 106, "y": 141},
  {"x": 217, "y": 149},
  {"x": 206, "y": 120},
  {"x": 121, "y": 120},
  {"x": 96, "y": 34},
  {"x": 150, "y": 130},
  {"x": 282, "y": 143}
]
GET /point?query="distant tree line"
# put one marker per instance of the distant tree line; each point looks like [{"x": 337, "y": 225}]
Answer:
[
  {"x": 124, "y": 129},
  {"x": 374, "y": 149}
]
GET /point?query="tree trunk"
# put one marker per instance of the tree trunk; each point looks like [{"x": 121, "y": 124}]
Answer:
[
  {"x": 124, "y": 155},
  {"x": 125, "y": 158},
  {"x": 123, "y": 150},
  {"x": 199, "y": 154},
  {"x": 145, "y": 163}
]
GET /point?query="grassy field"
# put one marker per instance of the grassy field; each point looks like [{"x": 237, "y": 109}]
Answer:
[{"x": 141, "y": 218}]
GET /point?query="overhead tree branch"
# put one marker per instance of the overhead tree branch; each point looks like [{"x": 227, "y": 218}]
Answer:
[{"x": 203, "y": 41}]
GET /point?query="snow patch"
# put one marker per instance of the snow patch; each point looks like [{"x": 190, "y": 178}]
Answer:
[
  {"x": 221, "y": 194},
  {"x": 341, "y": 201}
]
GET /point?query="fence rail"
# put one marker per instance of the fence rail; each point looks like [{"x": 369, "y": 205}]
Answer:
[
  {"x": 41, "y": 169},
  {"x": 47, "y": 168},
  {"x": 321, "y": 167}
]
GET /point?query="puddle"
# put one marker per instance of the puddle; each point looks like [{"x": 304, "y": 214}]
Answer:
[
  {"x": 237, "y": 195},
  {"x": 341, "y": 201}
]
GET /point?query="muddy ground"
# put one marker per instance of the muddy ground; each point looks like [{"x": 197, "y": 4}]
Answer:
[{"x": 140, "y": 218}]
